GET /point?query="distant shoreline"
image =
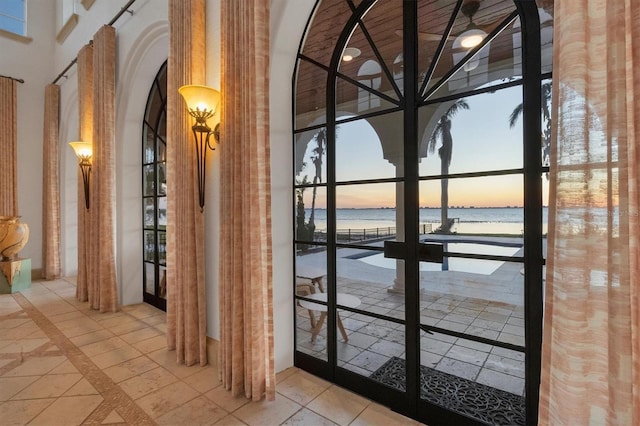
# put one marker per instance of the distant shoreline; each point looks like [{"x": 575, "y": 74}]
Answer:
[{"x": 425, "y": 208}]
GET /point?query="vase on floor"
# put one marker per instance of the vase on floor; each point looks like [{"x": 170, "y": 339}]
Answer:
[{"x": 13, "y": 236}]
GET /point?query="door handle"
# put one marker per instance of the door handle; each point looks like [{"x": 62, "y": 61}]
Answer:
[
  {"x": 426, "y": 252},
  {"x": 395, "y": 250},
  {"x": 430, "y": 252}
]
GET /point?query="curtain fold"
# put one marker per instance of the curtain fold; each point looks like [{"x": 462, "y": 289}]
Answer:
[
  {"x": 51, "y": 184},
  {"x": 246, "y": 293},
  {"x": 103, "y": 174},
  {"x": 591, "y": 340},
  {"x": 8, "y": 147},
  {"x": 186, "y": 301},
  {"x": 85, "y": 291}
]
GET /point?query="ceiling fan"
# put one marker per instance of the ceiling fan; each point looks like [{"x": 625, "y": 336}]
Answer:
[{"x": 471, "y": 36}]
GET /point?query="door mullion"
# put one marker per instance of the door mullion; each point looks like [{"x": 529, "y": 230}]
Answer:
[{"x": 411, "y": 193}]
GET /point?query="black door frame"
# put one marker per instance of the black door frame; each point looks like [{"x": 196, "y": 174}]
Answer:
[{"x": 409, "y": 402}]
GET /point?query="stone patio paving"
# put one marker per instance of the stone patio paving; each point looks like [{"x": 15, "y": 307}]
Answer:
[{"x": 488, "y": 306}]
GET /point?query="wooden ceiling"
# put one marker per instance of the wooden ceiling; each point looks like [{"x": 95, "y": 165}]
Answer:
[{"x": 384, "y": 24}]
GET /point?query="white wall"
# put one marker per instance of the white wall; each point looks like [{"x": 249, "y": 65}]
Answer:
[
  {"x": 288, "y": 19},
  {"x": 31, "y": 62}
]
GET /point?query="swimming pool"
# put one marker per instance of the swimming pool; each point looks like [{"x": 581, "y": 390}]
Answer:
[{"x": 475, "y": 266}]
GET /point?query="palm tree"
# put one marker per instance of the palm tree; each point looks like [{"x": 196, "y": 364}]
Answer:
[
  {"x": 303, "y": 230},
  {"x": 546, "y": 116},
  {"x": 316, "y": 158},
  {"x": 442, "y": 132}
]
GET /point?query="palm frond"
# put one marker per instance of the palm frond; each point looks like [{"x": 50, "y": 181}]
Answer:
[
  {"x": 515, "y": 114},
  {"x": 435, "y": 136}
]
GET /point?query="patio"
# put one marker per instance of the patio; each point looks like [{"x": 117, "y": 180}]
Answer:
[{"x": 489, "y": 306}]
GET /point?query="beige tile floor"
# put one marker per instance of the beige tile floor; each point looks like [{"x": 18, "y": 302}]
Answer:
[{"x": 64, "y": 364}]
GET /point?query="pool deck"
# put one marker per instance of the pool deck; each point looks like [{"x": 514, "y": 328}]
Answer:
[{"x": 490, "y": 306}]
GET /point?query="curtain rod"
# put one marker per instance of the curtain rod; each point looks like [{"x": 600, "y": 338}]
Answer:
[
  {"x": 124, "y": 9},
  {"x": 19, "y": 80}
]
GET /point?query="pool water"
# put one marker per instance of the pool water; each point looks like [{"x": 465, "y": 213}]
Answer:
[{"x": 474, "y": 266}]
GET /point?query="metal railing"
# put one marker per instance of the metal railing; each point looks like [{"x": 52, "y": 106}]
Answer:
[{"x": 362, "y": 234}]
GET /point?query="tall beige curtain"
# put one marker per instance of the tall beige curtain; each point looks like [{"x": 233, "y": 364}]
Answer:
[
  {"x": 591, "y": 343},
  {"x": 8, "y": 147},
  {"x": 51, "y": 184},
  {"x": 246, "y": 299},
  {"x": 85, "y": 133},
  {"x": 186, "y": 302},
  {"x": 103, "y": 174}
]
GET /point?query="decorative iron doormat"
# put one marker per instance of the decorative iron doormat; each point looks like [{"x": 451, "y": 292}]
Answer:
[{"x": 482, "y": 402}]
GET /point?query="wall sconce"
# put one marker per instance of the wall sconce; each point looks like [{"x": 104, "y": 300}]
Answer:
[
  {"x": 84, "y": 151},
  {"x": 201, "y": 102}
]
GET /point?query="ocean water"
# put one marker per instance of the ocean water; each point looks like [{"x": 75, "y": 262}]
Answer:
[{"x": 508, "y": 220}]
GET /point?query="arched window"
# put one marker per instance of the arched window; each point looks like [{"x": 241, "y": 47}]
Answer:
[
  {"x": 154, "y": 192},
  {"x": 419, "y": 213}
]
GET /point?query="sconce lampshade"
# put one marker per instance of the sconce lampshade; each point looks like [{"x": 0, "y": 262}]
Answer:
[
  {"x": 83, "y": 150},
  {"x": 200, "y": 98}
]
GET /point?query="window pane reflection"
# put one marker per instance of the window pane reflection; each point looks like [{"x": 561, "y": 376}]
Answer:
[
  {"x": 481, "y": 136},
  {"x": 371, "y": 148}
]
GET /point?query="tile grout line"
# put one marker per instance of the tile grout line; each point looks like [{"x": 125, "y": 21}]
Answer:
[{"x": 108, "y": 389}]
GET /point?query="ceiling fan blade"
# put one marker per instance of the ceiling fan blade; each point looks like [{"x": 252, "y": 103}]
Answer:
[
  {"x": 490, "y": 26},
  {"x": 423, "y": 36}
]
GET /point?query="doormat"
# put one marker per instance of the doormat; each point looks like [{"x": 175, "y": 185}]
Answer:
[{"x": 466, "y": 397}]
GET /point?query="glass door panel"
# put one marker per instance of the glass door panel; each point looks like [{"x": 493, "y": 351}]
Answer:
[
  {"x": 154, "y": 193},
  {"x": 482, "y": 137},
  {"x": 472, "y": 299},
  {"x": 311, "y": 300},
  {"x": 409, "y": 167},
  {"x": 384, "y": 26},
  {"x": 479, "y": 381},
  {"x": 370, "y": 148}
]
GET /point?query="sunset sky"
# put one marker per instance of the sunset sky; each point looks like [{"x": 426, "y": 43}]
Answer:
[{"x": 482, "y": 140}]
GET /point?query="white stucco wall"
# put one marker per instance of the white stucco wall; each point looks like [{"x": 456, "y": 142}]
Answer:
[
  {"x": 288, "y": 20},
  {"x": 142, "y": 48},
  {"x": 32, "y": 63}
]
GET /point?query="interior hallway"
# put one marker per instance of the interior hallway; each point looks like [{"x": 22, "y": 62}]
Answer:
[{"x": 64, "y": 364}]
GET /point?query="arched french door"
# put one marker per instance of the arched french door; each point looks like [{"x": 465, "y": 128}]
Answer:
[
  {"x": 419, "y": 216},
  {"x": 154, "y": 192}
]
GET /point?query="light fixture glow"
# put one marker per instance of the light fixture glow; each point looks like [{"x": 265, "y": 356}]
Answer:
[
  {"x": 202, "y": 102},
  {"x": 350, "y": 53},
  {"x": 84, "y": 152},
  {"x": 471, "y": 65},
  {"x": 471, "y": 38},
  {"x": 200, "y": 98}
]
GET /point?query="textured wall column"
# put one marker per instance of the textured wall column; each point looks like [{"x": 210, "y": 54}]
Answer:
[
  {"x": 8, "y": 147},
  {"x": 186, "y": 302},
  {"x": 51, "y": 184},
  {"x": 104, "y": 171},
  {"x": 246, "y": 288},
  {"x": 85, "y": 133}
]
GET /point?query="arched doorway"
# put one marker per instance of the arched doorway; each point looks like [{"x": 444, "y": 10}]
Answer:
[
  {"x": 418, "y": 273},
  {"x": 154, "y": 192}
]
